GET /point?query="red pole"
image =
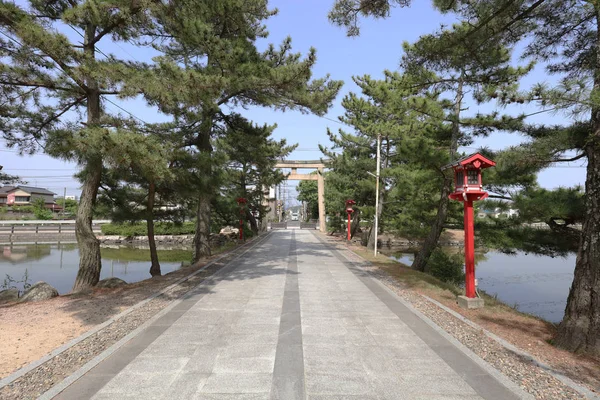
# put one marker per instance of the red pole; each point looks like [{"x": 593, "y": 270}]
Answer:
[
  {"x": 241, "y": 224},
  {"x": 349, "y": 224},
  {"x": 469, "y": 251}
]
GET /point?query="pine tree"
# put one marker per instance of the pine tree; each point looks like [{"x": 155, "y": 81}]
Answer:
[
  {"x": 147, "y": 171},
  {"x": 460, "y": 69},
  {"x": 410, "y": 121},
  {"x": 563, "y": 34},
  {"x": 308, "y": 192},
  {"x": 212, "y": 63},
  {"x": 57, "y": 87},
  {"x": 252, "y": 155}
]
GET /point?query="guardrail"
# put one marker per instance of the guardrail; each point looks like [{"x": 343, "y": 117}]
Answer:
[
  {"x": 278, "y": 225},
  {"x": 309, "y": 225},
  {"x": 44, "y": 227}
]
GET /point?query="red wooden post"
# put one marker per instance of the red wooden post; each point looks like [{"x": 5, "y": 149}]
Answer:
[
  {"x": 349, "y": 225},
  {"x": 349, "y": 210},
  {"x": 469, "y": 251}
]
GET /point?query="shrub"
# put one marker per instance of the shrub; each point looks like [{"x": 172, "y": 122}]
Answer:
[
  {"x": 22, "y": 209},
  {"x": 140, "y": 229},
  {"x": 445, "y": 267},
  {"x": 40, "y": 211}
]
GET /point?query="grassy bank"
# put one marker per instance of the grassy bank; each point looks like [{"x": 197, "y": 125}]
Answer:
[{"x": 433, "y": 287}]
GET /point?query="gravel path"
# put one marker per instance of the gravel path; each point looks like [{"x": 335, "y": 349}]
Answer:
[
  {"x": 530, "y": 377},
  {"x": 42, "y": 378}
]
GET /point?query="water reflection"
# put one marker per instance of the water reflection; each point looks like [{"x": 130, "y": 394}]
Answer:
[
  {"x": 537, "y": 285},
  {"x": 57, "y": 264}
]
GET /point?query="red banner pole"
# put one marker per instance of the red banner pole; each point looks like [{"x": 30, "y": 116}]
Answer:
[
  {"x": 241, "y": 226},
  {"x": 469, "y": 251},
  {"x": 349, "y": 226}
]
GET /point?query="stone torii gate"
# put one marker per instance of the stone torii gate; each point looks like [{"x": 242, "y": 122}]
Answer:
[{"x": 319, "y": 166}]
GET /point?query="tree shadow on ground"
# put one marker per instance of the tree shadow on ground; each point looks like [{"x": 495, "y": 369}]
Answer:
[{"x": 269, "y": 258}]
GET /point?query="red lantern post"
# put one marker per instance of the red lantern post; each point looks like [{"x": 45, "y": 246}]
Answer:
[
  {"x": 241, "y": 202},
  {"x": 468, "y": 188},
  {"x": 349, "y": 210}
]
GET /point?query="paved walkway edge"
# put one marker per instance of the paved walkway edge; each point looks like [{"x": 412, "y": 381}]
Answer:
[
  {"x": 509, "y": 346},
  {"x": 505, "y": 381}
]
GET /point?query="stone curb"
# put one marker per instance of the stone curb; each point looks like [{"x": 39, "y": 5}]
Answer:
[
  {"x": 503, "y": 379},
  {"x": 56, "y": 389},
  {"x": 29, "y": 367},
  {"x": 509, "y": 346},
  {"x": 564, "y": 379}
]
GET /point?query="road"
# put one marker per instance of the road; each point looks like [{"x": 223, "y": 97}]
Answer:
[{"x": 293, "y": 319}]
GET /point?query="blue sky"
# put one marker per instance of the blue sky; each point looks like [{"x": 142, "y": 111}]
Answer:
[{"x": 378, "y": 48}]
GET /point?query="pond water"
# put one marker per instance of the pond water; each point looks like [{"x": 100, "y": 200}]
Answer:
[
  {"x": 57, "y": 264},
  {"x": 537, "y": 285}
]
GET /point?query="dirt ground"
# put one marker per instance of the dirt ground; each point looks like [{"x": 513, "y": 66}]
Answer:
[
  {"x": 526, "y": 332},
  {"x": 29, "y": 331}
]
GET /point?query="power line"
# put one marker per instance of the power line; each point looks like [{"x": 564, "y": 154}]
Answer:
[
  {"x": 121, "y": 108},
  {"x": 81, "y": 43}
]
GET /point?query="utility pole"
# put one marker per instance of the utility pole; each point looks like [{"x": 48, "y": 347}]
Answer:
[
  {"x": 279, "y": 205},
  {"x": 64, "y": 202},
  {"x": 377, "y": 192}
]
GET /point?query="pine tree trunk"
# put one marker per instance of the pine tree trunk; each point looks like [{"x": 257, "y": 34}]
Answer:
[
  {"x": 580, "y": 328},
  {"x": 355, "y": 224},
  {"x": 252, "y": 221},
  {"x": 90, "y": 260},
  {"x": 155, "y": 266},
  {"x": 431, "y": 242},
  {"x": 421, "y": 258},
  {"x": 202, "y": 236}
]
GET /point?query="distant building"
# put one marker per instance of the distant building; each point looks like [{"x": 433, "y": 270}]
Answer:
[
  {"x": 26, "y": 195},
  {"x": 71, "y": 198}
]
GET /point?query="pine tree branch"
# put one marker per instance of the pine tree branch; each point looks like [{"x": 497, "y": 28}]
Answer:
[
  {"x": 54, "y": 117},
  {"x": 36, "y": 84},
  {"x": 105, "y": 31},
  {"x": 489, "y": 19},
  {"x": 497, "y": 196},
  {"x": 577, "y": 157},
  {"x": 9, "y": 23},
  {"x": 523, "y": 15}
]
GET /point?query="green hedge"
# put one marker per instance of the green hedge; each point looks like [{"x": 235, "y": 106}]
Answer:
[{"x": 140, "y": 229}]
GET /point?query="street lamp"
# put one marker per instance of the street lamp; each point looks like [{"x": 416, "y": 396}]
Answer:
[
  {"x": 468, "y": 188},
  {"x": 241, "y": 202},
  {"x": 376, "y": 176},
  {"x": 349, "y": 211}
]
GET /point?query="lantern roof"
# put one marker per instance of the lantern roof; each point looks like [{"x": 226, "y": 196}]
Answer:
[{"x": 471, "y": 159}]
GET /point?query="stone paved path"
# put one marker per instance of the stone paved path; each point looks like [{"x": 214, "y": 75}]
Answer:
[{"x": 293, "y": 320}]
